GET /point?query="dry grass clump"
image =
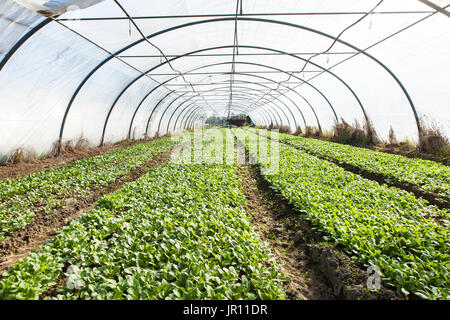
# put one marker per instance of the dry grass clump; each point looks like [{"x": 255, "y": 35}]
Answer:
[
  {"x": 343, "y": 132},
  {"x": 393, "y": 143},
  {"x": 327, "y": 135},
  {"x": 69, "y": 146},
  {"x": 298, "y": 131},
  {"x": 284, "y": 129},
  {"x": 20, "y": 155},
  {"x": 281, "y": 129},
  {"x": 312, "y": 132},
  {"x": 433, "y": 140},
  {"x": 392, "y": 138}
]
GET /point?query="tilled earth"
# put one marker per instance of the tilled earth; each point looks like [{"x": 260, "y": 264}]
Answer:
[
  {"x": 316, "y": 270},
  {"x": 44, "y": 226}
]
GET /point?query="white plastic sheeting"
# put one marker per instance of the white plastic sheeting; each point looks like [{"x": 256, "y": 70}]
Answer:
[
  {"x": 50, "y": 8},
  {"x": 92, "y": 68}
]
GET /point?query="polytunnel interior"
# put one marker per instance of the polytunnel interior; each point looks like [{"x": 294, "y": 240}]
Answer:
[{"x": 118, "y": 69}]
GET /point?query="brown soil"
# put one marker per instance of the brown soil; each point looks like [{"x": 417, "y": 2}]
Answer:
[
  {"x": 45, "y": 226},
  {"x": 316, "y": 271},
  {"x": 270, "y": 219},
  {"x": 22, "y": 169},
  {"x": 398, "y": 149},
  {"x": 432, "y": 198},
  {"x": 413, "y": 154}
]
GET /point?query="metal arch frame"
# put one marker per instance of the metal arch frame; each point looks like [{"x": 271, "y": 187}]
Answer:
[
  {"x": 153, "y": 90},
  {"x": 191, "y": 119},
  {"x": 46, "y": 21},
  {"x": 195, "y": 116},
  {"x": 250, "y": 100},
  {"x": 188, "y": 106},
  {"x": 392, "y": 74},
  {"x": 281, "y": 121},
  {"x": 268, "y": 101},
  {"x": 139, "y": 105},
  {"x": 197, "y": 107},
  {"x": 193, "y": 109},
  {"x": 263, "y": 116},
  {"x": 181, "y": 112},
  {"x": 281, "y": 94},
  {"x": 267, "y": 87},
  {"x": 154, "y": 109},
  {"x": 188, "y": 118},
  {"x": 290, "y": 89},
  {"x": 143, "y": 100},
  {"x": 296, "y": 57},
  {"x": 241, "y": 46},
  {"x": 275, "y": 98},
  {"x": 160, "y": 101},
  {"x": 297, "y": 93},
  {"x": 176, "y": 121},
  {"x": 28, "y": 35},
  {"x": 200, "y": 119},
  {"x": 210, "y": 21},
  {"x": 189, "y": 114},
  {"x": 167, "y": 108},
  {"x": 255, "y": 83},
  {"x": 271, "y": 111},
  {"x": 174, "y": 111},
  {"x": 117, "y": 100},
  {"x": 168, "y": 124},
  {"x": 205, "y": 66}
]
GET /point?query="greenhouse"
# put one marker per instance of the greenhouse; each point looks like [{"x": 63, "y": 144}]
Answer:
[{"x": 191, "y": 149}]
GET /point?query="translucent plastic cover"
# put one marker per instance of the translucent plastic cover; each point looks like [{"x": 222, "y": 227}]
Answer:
[{"x": 118, "y": 69}]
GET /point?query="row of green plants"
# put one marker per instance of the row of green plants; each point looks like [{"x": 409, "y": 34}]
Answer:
[
  {"x": 208, "y": 146},
  {"x": 375, "y": 224},
  {"x": 178, "y": 232},
  {"x": 424, "y": 174},
  {"x": 47, "y": 191}
]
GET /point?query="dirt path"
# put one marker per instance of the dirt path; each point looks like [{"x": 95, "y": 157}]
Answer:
[
  {"x": 44, "y": 227},
  {"x": 23, "y": 169},
  {"x": 432, "y": 198},
  {"x": 273, "y": 219},
  {"x": 316, "y": 270}
]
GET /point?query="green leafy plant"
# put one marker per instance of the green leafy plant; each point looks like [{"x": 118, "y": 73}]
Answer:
[
  {"x": 178, "y": 232},
  {"x": 377, "y": 225},
  {"x": 21, "y": 198}
]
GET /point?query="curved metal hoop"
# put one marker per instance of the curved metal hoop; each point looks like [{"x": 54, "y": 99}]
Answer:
[
  {"x": 37, "y": 28},
  {"x": 154, "y": 109},
  {"x": 215, "y": 89},
  {"x": 241, "y": 46}
]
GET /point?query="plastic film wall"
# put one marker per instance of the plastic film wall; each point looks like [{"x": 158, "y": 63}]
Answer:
[{"x": 120, "y": 69}]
